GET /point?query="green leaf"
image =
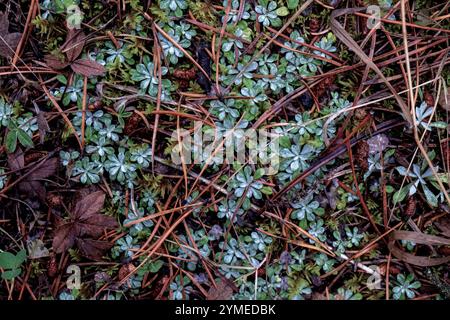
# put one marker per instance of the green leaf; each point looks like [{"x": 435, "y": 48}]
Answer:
[
  {"x": 282, "y": 11},
  {"x": 24, "y": 138},
  {"x": 155, "y": 266},
  {"x": 439, "y": 124},
  {"x": 285, "y": 142},
  {"x": 431, "y": 198},
  {"x": 8, "y": 260},
  {"x": 389, "y": 189},
  {"x": 400, "y": 195},
  {"x": 11, "y": 274},
  {"x": 11, "y": 261},
  {"x": 259, "y": 173},
  {"x": 21, "y": 256},
  {"x": 266, "y": 190},
  {"x": 11, "y": 141},
  {"x": 292, "y": 4},
  {"x": 62, "y": 79}
]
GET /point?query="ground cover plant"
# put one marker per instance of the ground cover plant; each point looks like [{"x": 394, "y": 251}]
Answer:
[{"x": 104, "y": 196}]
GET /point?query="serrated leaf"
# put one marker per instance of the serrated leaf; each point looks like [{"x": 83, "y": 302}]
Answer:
[
  {"x": 24, "y": 139},
  {"x": 88, "y": 68},
  {"x": 75, "y": 42},
  {"x": 11, "y": 141}
]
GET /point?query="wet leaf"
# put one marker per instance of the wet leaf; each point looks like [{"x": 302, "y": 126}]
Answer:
[
  {"x": 8, "y": 41},
  {"x": 64, "y": 237},
  {"x": 16, "y": 160},
  {"x": 54, "y": 62},
  {"x": 75, "y": 42},
  {"x": 8, "y": 44},
  {"x": 87, "y": 67},
  {"x": 85, "y": 220},
  {"x": 223, "y": 291},
  {"x": 32, "y": 183},
  {"x": 4, "y": 23},
  {"x": 92, "y": 249}
]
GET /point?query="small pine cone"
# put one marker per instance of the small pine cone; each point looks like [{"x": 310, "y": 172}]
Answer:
[
  {"x": 429, "y": 99},
  {"x": 32, "y": 157},
  {"x": 394, "y": 270},
  {"x": 131, "y": 124},
  {"x": 188, "y": 74},
  {"x": 361, "y": 155},
  {"x": 410, "y": 207},
  {"x": 183, "y": 84},
  {"x": 54, "y": 200},
  {"x": 261, "y": 272},
  {"x": 314, "y": 25},
  {"x": 95, "y": 106},
  {"x": 52, "y": 267}
]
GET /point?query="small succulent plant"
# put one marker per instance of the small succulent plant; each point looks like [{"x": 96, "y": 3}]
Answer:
[
  {"x": 269, "y": 13},
  {"x": 405, "y": 287}
]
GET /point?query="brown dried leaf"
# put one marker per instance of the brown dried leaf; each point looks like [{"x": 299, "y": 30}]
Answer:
[
  {"x": 92, "y": 249},
  {"x": 223, "y": 291},
  {"x": 33, "y": 188},
  {"x": 444, "y": 226},
  {"x": 74, "y": 45},
  {"x": 64, "y": 237},
  {"x": 46, "y": 169},
  {"x": 419, "y": 238},
  {"x": 4, "y": 23},
  {"x": 54, "y": 62},
  {"x": 42, "y": 125},
  {"x": 88, "y": 206},
  {"x": 96, "y": 224},
  {"x": 16, "y": 160},
  {"x": 8, "y": 44},
  {"x": 85, "y": 221},
  {"x": 88, "y": 68}
]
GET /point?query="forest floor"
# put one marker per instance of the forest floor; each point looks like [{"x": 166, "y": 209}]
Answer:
[{"x": 235, "y": 149}]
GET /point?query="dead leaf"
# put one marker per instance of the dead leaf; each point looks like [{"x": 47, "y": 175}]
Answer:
[
  {"x": 92, "y": 249},
  {"x": 223, "y": 291},
  {"x": 74, "y": 45},
  {"x": 16, "y": 160},
  {"x": 85, "y": 220},
  {"x": 54, "y": 62},
  {"x": 4, "y": 23},
  {"x": 64, "y": 237},
  {"x": 42, "y": 124},
  {"x": 9, "y": 43},
  {"x": 418, "y": 238},
  {"x": 88, "y": 68},
  {"x": 32, "y": 184},
  {"x": 443, "y": 225}
]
